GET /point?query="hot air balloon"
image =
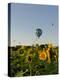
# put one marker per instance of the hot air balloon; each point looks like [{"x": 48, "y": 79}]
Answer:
[{"x": 38, "y": 32}]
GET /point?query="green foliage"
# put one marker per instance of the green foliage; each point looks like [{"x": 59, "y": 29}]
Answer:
[{"x": 21, "y": 65}]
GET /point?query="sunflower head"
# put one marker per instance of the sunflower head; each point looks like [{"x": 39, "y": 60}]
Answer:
[
  {"x": 28, "y": 59},
  {"x": 49, "y": 45},
  {"x": 42, "y": 56}
]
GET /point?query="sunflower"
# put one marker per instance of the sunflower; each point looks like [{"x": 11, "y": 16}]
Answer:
[
  {"x": 56, "y": 56},
  {"x": 42, "y": 55},
  {"x": 48, "y": 53},
  {"x": 49, "y": 46},
  {"x": 28, "y": 59},
  {"x": 48, "y": 56}
]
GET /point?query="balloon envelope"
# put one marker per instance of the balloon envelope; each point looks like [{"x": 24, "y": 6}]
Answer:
[{"x": 38, "y": 32}]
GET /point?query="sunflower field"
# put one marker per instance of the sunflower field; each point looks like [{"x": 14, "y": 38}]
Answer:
[{"x": 33, "y": 60}]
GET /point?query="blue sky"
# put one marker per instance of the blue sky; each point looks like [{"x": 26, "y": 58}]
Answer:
[{"x": 26, "y": 18}]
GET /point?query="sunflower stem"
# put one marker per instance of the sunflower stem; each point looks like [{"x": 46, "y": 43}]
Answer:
[{"x": 30, "y": 69}]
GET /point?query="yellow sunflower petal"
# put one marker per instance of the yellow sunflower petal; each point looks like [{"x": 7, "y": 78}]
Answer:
[{"x": 42, "y": 56}]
